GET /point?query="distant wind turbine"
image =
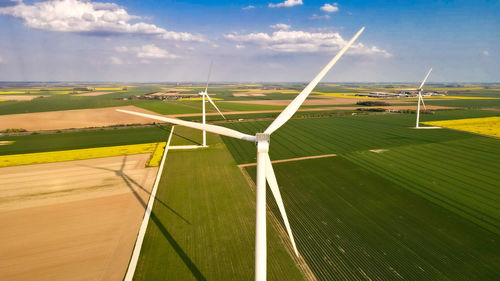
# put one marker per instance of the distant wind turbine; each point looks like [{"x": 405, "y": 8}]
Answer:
[
  {"x": 203, "y": 95},
  {"x": 420, "y": 98},
  {"x": 264, "y": 166}
]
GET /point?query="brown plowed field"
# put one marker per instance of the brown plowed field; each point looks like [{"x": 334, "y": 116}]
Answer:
[
  {"x": 19, "y": 97},
  {"x": 74, "y": 220},
  {"x": 67, "y": 119}
]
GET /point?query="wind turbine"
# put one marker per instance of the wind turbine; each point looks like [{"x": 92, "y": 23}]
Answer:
[
  {"x": 264, "y": 166},
  {"x": 420, "y": 98},
  {"x": 203, "y": 95}
]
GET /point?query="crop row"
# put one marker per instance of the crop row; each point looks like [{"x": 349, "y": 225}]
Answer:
[
  {"x": 461, "y": 176},
  {"x": 202, "y": 224},
  {"x": 352, "y": 224}
]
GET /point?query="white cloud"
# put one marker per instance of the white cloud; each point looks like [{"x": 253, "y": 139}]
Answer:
[
  {"x": 144, "y": 52},
  {"x": 280, "y": 26},
  {"x": 87, "y": 17},
  {"x": 121, "y": 49},
  {"x": 486, "y": 53},
  {"x": 115, "y": 60},
  {"x": 317, "y": 17},
  {"x": 329, "y": 8},
  {"x": 296, "y": 41},
  {"x": 287, "y": 3},
  {"x": 239, "y": 46},
  {"x": 249, "y": 7},
  {"x": 153, "y": 52}
]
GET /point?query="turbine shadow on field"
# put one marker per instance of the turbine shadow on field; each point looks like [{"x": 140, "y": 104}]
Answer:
[
  {"x": 182, "y": 137},
  {"x": 131, "y": 182},
  {"x": 178, "y": 249},
  {"x": 185, "y": 138}
]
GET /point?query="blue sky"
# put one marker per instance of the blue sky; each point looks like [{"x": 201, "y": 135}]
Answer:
[{"x": 268, "y": 41}]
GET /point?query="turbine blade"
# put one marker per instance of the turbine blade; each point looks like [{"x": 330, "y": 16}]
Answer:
[
  {"x": 422, "y": 99},
  {"x": 425, "y": 79},
  {"x": 290, "y": 110},
  {"x": 209, "y": 72},
  {"x": 212, "y": 102},
  {"x": 209, "y": 128},
  {"x": 273, "y": 184}
]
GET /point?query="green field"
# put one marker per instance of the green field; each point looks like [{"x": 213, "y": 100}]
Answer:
[
  {"x": 315, "y": 136},
  {"x": 62, "y": 102},
  {"x": 424, "y": 205},
  {"x": 202, "y": 224},
  {"x": 352, "y": 224},
  {"x": 483, "y": 103},
  {"x": 250, "y": 116},
  {"x": 83, "y": 139},
  {"x": 170, "y": 107}
]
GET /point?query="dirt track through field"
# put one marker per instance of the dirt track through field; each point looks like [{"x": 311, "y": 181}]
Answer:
[
  {"x": 74, "y": 220},
  {"x": 291, "y": 159}
]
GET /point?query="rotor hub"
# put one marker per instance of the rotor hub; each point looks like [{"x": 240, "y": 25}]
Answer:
[{"x": 262, "y": 137}]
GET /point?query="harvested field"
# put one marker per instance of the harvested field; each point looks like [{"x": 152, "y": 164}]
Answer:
[
  {"x": 20, "y": 97},
  {"x": 93, "y": 94},
  {"x": 66, "y": 119},
  {"x": 76, "y": 220}
]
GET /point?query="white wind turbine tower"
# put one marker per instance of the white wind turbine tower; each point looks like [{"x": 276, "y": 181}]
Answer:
[
  {"x": 203, "y": 95},
  {"x": 420, "y": 98},
  {"x": 264, "y": 166}
]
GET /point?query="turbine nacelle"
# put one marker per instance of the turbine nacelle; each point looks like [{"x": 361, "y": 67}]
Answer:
[{"x": 262, "y": 141}]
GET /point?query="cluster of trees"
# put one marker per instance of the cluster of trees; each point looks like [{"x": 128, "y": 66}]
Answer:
[{"x": 373, "y": 103}]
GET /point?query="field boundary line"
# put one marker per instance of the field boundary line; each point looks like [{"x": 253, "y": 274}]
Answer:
[
  {"x": 282, "y": 234},
  {"x": 290, "y": 160},
  {"x": 144, "y": 225},
  {"x": 185, "y": 147}
]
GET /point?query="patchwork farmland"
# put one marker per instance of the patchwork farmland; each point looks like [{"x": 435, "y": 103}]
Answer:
[{"x": 388, "y": 203}]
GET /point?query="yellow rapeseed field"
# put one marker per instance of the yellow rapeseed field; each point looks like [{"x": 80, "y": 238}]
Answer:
[
  {"x": 489, "y": 126},
  {"x": 155, "y": 159},
  {"x": 76, "y": 154},
  {"x": 11, "y": 92}
]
